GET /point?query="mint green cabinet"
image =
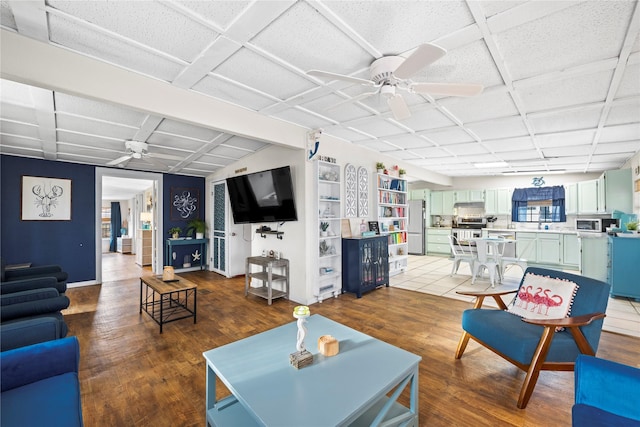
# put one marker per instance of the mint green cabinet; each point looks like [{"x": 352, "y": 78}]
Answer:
[
  {"x": 588, "y": 196},
  {"x": 594, "y": 257},
  {"x": 571, "y": 199},
  {"x": 420, "y": 194},
  {"x": 571, "y": 250},
  {"x": 436, "y": 203},
  {"x": 526, "y": 246},
  {"x": 469, "y": 196},
  {"x": 448, "y": 200},
  {"x": 549, "y": 248},
  {"x": 438, "y": 241},
  {"x": 617, "y": 191}
]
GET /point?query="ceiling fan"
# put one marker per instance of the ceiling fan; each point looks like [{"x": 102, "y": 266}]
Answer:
[
  {"x": 140, "y": 150},
  {"x": 390, "y": 73}
]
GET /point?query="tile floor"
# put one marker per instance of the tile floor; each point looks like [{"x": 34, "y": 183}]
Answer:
[{"x": 431, "y": 275}]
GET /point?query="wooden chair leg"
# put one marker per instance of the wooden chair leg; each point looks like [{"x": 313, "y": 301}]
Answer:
[
  {"x": 462, "y": 345},
  {"x": 537, "y": 361}
]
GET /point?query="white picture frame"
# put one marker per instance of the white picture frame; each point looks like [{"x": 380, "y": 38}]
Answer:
[{"x": 45, "y": 199}]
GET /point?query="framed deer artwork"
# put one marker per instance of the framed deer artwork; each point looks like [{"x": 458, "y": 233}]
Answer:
[{"x": 45, "y": 199}]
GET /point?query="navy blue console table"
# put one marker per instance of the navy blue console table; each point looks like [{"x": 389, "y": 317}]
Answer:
[{"x": 170, "y": 243}]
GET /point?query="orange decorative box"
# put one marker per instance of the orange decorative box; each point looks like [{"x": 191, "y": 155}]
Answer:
[{"x": 328, "y": 345}]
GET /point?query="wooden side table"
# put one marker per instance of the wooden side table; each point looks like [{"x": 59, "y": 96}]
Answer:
[
  {"x": 267, "y": 277},
  {"x": 168, "y": 301}
]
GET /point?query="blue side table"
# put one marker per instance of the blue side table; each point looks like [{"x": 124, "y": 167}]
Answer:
[{"x": 170, "y": 243}]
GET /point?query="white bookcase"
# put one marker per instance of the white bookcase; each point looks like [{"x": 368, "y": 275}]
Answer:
[
  {"x": 393, "y": 219},
  {"x": 329, "y": 275}
]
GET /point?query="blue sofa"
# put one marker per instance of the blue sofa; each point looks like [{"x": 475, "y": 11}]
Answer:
[
  {"x": 32, "y": 278},
  {"x": 606, "y": 393},
  {"x": 40, "y": 385},
  {"x": 22, "y": 332}
]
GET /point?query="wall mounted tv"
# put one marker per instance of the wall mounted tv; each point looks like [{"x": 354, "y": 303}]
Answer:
[{"x": 265, "y": 196}]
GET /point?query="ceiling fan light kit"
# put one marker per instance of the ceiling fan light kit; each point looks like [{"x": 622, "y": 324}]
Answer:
[{"x": 393, "y": 72}]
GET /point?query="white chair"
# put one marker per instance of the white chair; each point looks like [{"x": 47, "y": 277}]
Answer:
[
  {"x": 485, "y": 259},
  {"x": 459, "y": 255},
  {"x": 506, "y": 261}
]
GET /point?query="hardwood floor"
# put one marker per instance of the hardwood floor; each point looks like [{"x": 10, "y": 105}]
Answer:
[{"x": 132, "y": 376}]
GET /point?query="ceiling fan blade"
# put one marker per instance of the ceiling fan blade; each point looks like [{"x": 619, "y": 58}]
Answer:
[
  {"x": 119, "y": 160},
  {"x": 399, "y": 107},
  {"x": 352, "y": 100},
  {"x": 334, "y": 76},
  {"x": 424, "y": 55},
  {"x": 447, "y": 89}
]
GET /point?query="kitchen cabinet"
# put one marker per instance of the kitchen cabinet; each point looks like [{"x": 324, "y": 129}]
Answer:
[
  {"x": 549, "y": 248},
  {"x": 571, "y": 199},
  {"x": 594, "y": 257},
  {"x": 442, "y": 202},
  {"x": 462, "y": 196},
  {"x": 527, "y": 246},
  {"x": 588, "y": 197},
  {"x": 365, "y": 264},
  {"x": 498, "y": 201},
  {"x": 420, "y": 194},
  {"x": 622, "y": 274},
  {"x": 436, "y": 202},
  {"x": 438, "y": 241},
  {"x": 617, "y": 191},
  {"x": 571, "y": 250}
]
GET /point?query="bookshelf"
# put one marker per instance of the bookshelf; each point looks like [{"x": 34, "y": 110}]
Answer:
[{"x": 392, "y": 209}]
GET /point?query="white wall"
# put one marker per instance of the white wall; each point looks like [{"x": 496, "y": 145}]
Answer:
[{"x": 634, "y": 165}]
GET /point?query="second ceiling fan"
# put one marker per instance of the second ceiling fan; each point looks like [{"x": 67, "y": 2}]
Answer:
[{"x": 392, "y": 73}]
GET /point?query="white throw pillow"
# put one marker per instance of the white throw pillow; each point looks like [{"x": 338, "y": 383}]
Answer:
[{"x": 542, "y": 297}]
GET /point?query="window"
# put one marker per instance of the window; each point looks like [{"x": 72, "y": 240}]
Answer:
[
  {"x": 538, "y": 204},
  {"x": 106, "y": 222}
]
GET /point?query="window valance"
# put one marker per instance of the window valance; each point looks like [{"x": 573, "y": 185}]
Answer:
[{"x": 538, "y": 193}]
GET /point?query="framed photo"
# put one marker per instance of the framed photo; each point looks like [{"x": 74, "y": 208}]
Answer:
[
  {"x": 185, "y": 203},
  {"x": 373, "y": 226},
  {"x": 45, "y": 199}
]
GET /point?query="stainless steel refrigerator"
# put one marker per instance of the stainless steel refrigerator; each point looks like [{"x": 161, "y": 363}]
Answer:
[{"x": 416, "y": 230}]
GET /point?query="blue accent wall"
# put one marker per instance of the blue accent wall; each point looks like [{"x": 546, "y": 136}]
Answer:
[
  {"x": 71, "y": 244},
  {"x": 182, "y": 182}
]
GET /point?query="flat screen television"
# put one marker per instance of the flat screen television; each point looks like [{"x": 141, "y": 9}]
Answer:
[{"x": 265, "y": 196}]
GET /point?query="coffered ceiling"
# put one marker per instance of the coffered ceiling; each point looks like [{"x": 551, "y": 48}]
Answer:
[{"x": 561, "y": 78}]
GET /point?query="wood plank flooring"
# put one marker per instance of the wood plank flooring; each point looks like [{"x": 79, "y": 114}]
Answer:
[{"x": 131, "y": 375}]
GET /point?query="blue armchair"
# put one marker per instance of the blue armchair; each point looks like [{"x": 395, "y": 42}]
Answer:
[
  {"x": 23, "y": 332},
  {"x": 606, "y": 393},
  {"x": 40, "y": 385},
  {"x": 533, "y": 344}
]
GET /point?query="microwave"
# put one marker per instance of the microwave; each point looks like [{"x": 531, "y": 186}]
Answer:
[{"x": 598, "y": 225}]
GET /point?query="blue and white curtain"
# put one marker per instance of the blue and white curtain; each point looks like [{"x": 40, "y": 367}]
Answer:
[{"x": 521, "y": 197}]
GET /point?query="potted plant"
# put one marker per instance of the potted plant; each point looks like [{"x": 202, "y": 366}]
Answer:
[
  {"x": 632, "y": 226},
  {"x": 402, "y": 172},
  {"x": 324, "y": 227},
  {"x": 175, "y": 232},
  {"x": 197, "y": 225},
  {"x": 380, "y": 167}
]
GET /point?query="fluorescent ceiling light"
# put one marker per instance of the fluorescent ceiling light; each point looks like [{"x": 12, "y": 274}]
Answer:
[
  {"x": 491, "y": 165},
  {"x": 556, "y": 172}
]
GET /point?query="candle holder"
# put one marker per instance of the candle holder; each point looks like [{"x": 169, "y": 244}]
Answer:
[{"x": 301, "y": 357}]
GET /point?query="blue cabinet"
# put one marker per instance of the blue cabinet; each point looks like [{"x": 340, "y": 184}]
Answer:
[
  {"x": 365, "y": 264},
  {"x": 622, "y": 274}
]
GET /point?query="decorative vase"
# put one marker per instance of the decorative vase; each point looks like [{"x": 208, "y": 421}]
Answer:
[
  {"x": 175, "y": 235},
  {"x": 199, "y": 235},
  {"x": 324, "y": 233},
  {"x": 380, "y": 170},
  {"x": 402, "y": 176}
]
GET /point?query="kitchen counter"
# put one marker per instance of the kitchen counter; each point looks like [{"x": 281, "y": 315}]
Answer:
[{"x": 535, "y": 230}]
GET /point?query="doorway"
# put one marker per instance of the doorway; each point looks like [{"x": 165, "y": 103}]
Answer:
[{"x": 139, "y": 196}]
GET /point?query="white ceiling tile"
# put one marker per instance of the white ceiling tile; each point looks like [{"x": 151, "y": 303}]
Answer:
[
  {"x": 173, "y": 141},
  {"x": 84, "y": 140},
  {"x": 377, "y": 145},
  {"x": 20, "y": 113},
  {"x": 587, "y": 32},
  {"x": 343, "y": 113},
  {"x": 471, "y": 63},
  {"x": 560, "y": 121},
  {"x": 15, "y": 93},
  {"x": 406, "y": 155},
  {"x": 618, "y": 147},
  {"x": 567, "y": 92},
  {"x": 624, "y": 113},
  {"x": 97, "y": 110},
  {"x": 395, "y": 27},
  {"x": 408, "y": 141},
  {"x": 488, "y": 105},
  {"x": 220, "y": 12},
  {"x": 509, "y": 144},
  {"x": 520, "y": 154},
  {"x": 377, "y": 127},
  {"x": 464, "y": 149},
  {"x": 621, "y": 132},
  {"x": 93, "y": 127},
  {"x": 233, "y": 93},
  {"x": 245, "y": 143},
  {"x": 452, "y": 135},
  {"x": 228, "y": 152},
  {"x": 251, "y": 69},
  {"x": 302, "y": 118},
  {"x": 425, "y": 119},
  {"x": 88, "y": 42},
  {"x": 565, "y": 138},
  {"x": 575, "y": 150},
  {"x": 215, "y": 160},
  {"x": 7, "y": 141},
  {"x": 630, "y": 83},
  {"x": 431, "y": 154},
  {"x": 619, "y": 158},
  {"x": 499, "y": 128},
  {"x": 345, "y": 134},
  {"x": 68, "y": 150},
  {"x": 19, "y": 128},
  {"x": 186, "y": 130},
  {"x": 491, "y": 8},
  {"x": 312, "y": 49},
  {"x": 180, "y": 37}
]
